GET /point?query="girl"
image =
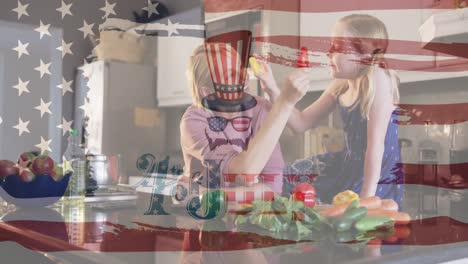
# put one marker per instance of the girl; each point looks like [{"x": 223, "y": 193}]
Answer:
[
  {"x": 214, "y": 144},
  {"x": 233, "y": 136},
  {"x": 365, "y": 92}
]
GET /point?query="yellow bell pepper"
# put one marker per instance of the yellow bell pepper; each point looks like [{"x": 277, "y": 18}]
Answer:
[
  {"x": 345, "y": 197},
  {"x": 255, "y": 66}
]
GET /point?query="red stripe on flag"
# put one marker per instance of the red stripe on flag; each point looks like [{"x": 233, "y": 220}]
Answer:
[
  {"x": 432, "y": 114},
  {"x": 458, "y": 60},
  {"x": 315, "y": 6},
  {"x": 437, "y": 175}
]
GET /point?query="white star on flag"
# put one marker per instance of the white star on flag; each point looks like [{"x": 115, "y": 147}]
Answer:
[
  {"x": 43, "y": 29},
  {"x": 22, "y": 87},
  {"x": 172, "y": 28},
  {"x": 65, "y": 86},
  {"x": 65, "y": 48},
  {"x": 85, "y": 107},
  {"x": 21, "y": 49},
  {"x": 65, "y": 126},
  {"x": 87, "y": 29},
  {"x": 21, "y": 10},
  {"x": 22, "y": 127},
  {"x": 66, "y": 165},
  {"x": 151, "y": 8},
  {"x": 65, "y": 9},
  {"x": 86, "y": 71},
  {"x": 43, "y": 68},
  {"x": 44, "y": 145},
  {"x": 44, "y": 107},
  {"x": 108, "y": 9}
]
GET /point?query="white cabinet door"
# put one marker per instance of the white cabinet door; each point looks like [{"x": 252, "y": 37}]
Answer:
[{"x": 173, "y": 54}]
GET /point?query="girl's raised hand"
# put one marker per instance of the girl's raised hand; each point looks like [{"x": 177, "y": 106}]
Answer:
[{"x": 267, "y": 81}]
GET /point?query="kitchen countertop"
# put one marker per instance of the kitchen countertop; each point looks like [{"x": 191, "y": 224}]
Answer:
[{"x": 78, "y": 232}]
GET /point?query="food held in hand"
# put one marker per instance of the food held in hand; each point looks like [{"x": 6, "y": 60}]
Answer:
[
  {"x": 255, "y": 66},
  {"x": 303, "y": 58},
  {"x": 27, "y": 158},
  {"x": 7, "y": 168},
  {"x": 43, "y": 165},
  {"x": 27, "y": 175},
  {"x": 345, "y": 197},
  {"x": 306, "y": 193}
]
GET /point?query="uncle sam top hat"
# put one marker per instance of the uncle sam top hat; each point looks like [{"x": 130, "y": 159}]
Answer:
[{"x": 228, "y": 56}]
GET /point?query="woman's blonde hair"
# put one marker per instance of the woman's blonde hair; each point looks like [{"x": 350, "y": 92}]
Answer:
[
  {"x": 375, "y": 41},
  {"x": 198, "y": 74}
]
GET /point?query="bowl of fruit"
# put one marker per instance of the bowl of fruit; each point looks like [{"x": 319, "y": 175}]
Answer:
[{"x": 34, "y": 181}]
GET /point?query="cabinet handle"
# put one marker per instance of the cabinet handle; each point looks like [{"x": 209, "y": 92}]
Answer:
[{"x": 179, "y": 92}]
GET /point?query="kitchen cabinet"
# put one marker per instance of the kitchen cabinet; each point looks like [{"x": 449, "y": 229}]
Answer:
[
  {"x": 122, "y": 113},
  {"x": 172, "y": 57},
  {"x": 173, "y": 54},
  {"x": 447, "y": 26}
]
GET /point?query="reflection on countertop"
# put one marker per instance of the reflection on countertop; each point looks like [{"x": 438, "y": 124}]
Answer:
[{"x": 86, "y": 229}]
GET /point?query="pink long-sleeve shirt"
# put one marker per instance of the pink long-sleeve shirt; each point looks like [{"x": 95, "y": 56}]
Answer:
[{"x": 210, "y": 139}]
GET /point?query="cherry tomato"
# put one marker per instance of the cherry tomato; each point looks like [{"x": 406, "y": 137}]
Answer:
[{"x": 305, "y": 192}]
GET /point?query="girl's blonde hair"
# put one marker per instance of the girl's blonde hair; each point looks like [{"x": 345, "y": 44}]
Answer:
[
  {"x": 375, "y": 36},
  {"x": 198, "y": 74}
]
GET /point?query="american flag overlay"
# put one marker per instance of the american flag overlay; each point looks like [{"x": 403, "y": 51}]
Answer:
[
  {"x": 45, "y": 42},
  {"x": 43, "y": 45}
]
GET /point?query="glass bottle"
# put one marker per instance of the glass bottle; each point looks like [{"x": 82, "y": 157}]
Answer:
[{"x": 75, "y": 154}]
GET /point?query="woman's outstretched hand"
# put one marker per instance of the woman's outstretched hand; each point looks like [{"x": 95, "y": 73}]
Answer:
[{"x": 297, "y": 85}]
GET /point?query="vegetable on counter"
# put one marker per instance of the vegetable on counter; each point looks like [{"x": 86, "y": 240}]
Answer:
[
  {"x": 305, "y": 192},
  {"x": 388, "y": 204},
  {"x": 359, "y": 222},
  {"x": 373, "y": 222},
  {"x": 372, "y": 202},
  {"x": 345, "y": 197},
  {"x": 399, "y": 218}
]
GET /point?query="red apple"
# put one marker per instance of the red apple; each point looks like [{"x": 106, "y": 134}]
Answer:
[
  {"x": 27, "y": 176},
  {"x": 57, "y": 174},
  {"x": 27, "y": 158},
  {"x": 43, "y": 165},
  {"x": 7, "y": 168}
]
